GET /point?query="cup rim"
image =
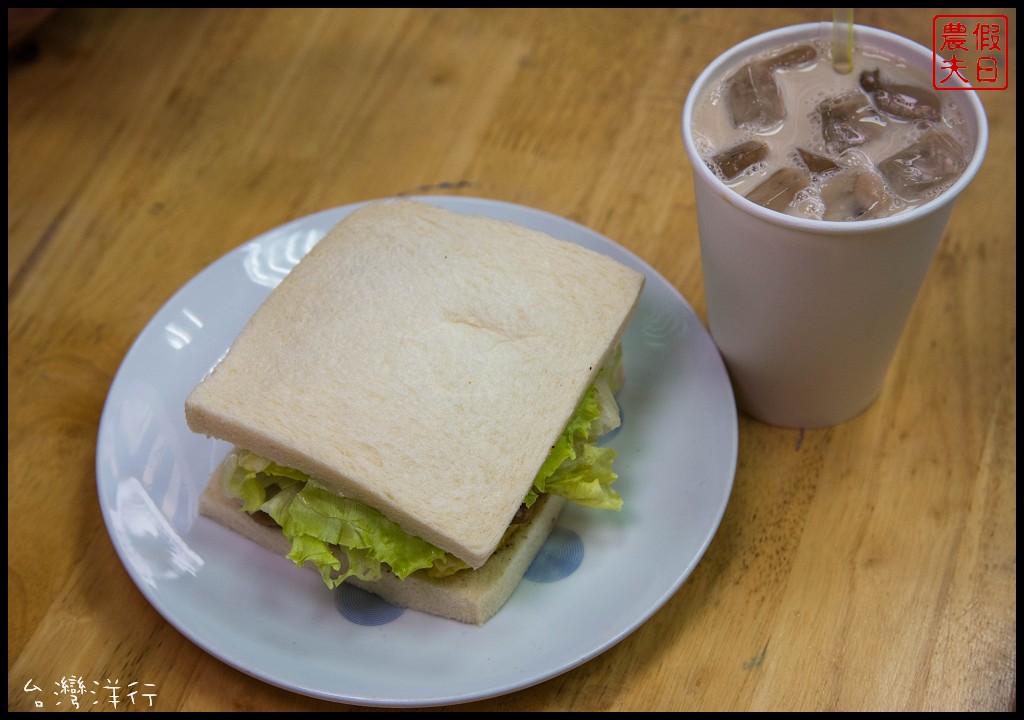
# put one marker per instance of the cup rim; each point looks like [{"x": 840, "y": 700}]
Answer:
[{"x": 972, "y": 103}]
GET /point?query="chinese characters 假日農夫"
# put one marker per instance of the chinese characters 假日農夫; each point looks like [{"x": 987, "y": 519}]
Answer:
[{"x": 971, "y": 49}]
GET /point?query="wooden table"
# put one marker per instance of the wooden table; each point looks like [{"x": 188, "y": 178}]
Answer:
[{"x": 870, "y": 566}]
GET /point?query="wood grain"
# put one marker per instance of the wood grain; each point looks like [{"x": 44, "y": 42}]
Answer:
[{"x": 870, "y": 566}]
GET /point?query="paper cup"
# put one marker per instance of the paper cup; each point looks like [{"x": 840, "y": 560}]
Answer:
[{"x": 808, "y": 313}]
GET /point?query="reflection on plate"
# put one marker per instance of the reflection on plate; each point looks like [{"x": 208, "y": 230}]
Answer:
[{"x": 261, "y": 614}]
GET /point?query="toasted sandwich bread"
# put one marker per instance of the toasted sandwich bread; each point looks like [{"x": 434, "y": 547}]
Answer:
[{"x": 422, "y": 362}]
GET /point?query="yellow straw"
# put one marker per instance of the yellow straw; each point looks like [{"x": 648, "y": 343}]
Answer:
[{"x": 842, "y": 40}]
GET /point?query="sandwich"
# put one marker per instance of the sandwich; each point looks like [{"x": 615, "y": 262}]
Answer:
[{"x": 412, "y": 406}]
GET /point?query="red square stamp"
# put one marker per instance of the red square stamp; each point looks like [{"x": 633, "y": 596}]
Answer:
[{"x": 972, "y": 49}]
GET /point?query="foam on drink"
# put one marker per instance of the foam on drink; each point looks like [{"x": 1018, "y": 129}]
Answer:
[{"x": 865, "y": 144}]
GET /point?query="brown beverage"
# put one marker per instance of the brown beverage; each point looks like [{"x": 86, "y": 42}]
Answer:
[{"x": 789, "y": 132}]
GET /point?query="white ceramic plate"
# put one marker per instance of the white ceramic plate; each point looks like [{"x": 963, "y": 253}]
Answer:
[{"x": 259, "y": 613}]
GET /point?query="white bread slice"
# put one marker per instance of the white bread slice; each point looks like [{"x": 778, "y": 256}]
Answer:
[
  {"x": 423, "y": 362},
  {"x": 469, "y": 596}
]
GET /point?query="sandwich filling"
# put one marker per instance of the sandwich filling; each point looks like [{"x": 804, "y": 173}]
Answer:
[{"x": 343, "y": 537}]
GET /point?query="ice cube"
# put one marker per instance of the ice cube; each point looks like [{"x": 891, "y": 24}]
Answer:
[
  {"x": 849, "y": 120},
  {"x": 906, "y": 102},
  {"x": 754, "y": 97},
  {"x": 856, "y": 194},
  {"x": 735, "y": 160},
  {"x": 934, "y": 160},
  {"x": 816, "y": 163},
  {"x": 777, "y": 192},
  {"x": 794, "y": 57}
]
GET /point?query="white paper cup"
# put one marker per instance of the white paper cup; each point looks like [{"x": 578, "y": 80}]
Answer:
[{"x": 808, "y": 313}]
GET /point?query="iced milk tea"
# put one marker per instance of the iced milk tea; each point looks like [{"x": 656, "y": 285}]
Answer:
[{"x": 789, "y": 132}]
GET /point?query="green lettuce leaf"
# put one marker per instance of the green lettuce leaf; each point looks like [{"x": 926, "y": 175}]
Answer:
[
  {"x": 324, "y": 527},
  {"x": 577, "y": 468}
]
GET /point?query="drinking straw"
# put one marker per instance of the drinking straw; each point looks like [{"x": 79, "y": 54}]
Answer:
[{"x": 842, "y": 40}]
